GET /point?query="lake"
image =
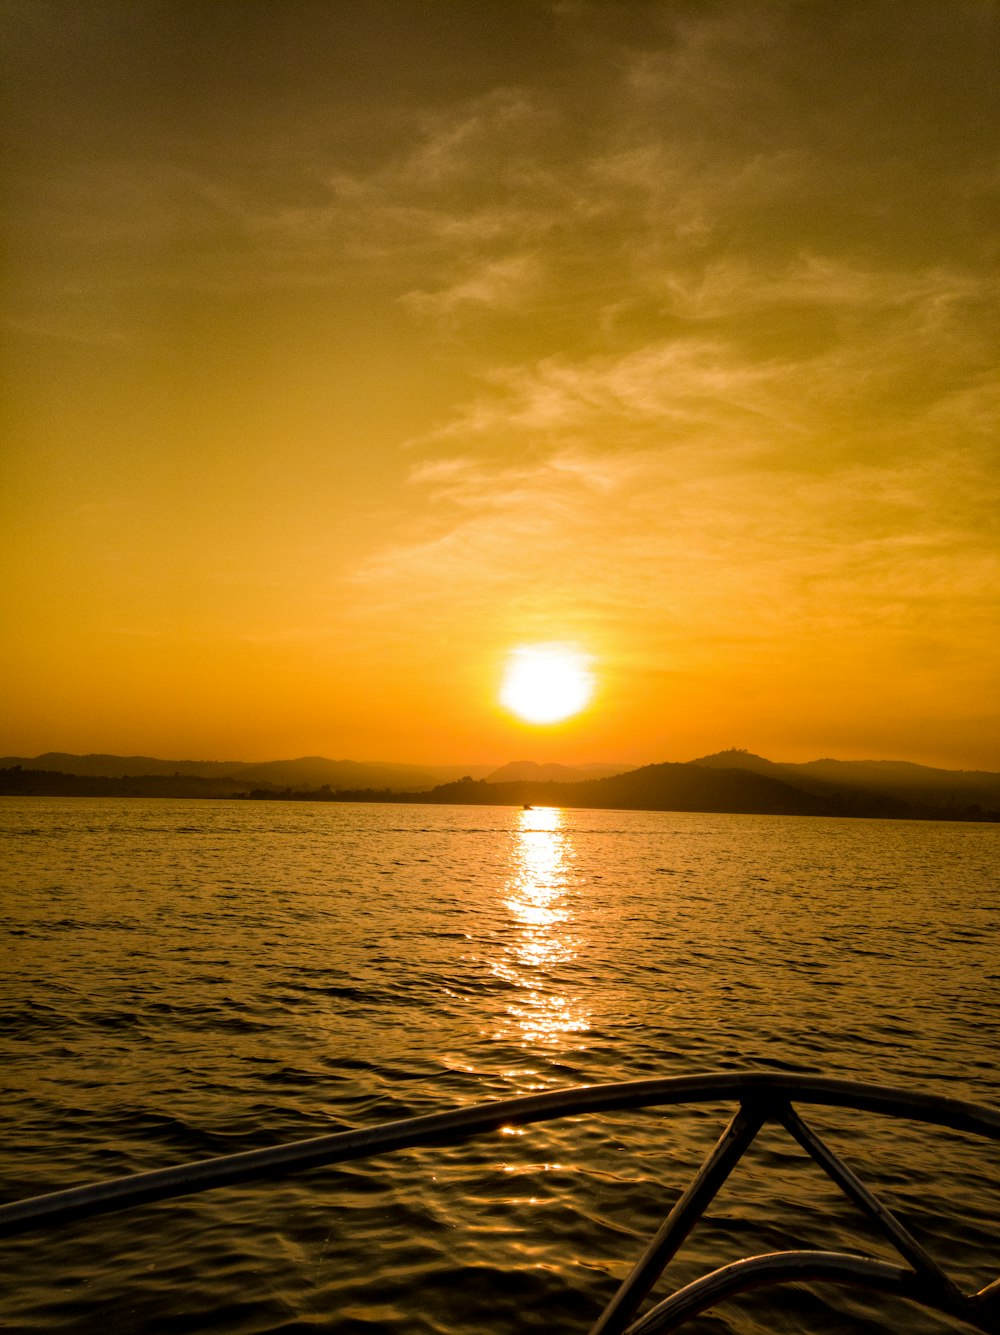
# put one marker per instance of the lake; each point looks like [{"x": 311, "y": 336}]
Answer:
[{"x": 188, "y": 978}]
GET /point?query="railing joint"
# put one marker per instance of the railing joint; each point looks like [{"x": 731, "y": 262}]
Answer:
[{"x": 766, "y": 1105}]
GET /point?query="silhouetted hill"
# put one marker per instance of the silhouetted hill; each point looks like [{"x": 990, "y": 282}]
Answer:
[
  {"x": 855, "y": 781},
  {"x": 900, "y": 778},
  {"x": 666, "y": 787},
  {"x": 519, "y": 771},
  {"x": 114, "y": 767},
  {"x": 314, "y": 771},
  {"x": 736, "y": 759},
  {"x": 306, "y": 772},
  {"x": 18, "y": 782},
  {"x": 449, "y": 773},
  {"x": 731, "y": 781}
]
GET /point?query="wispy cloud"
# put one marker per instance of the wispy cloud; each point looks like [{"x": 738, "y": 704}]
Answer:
[
  {"x": 693, "y": 484},
  {"x": 497, "y": 285}
]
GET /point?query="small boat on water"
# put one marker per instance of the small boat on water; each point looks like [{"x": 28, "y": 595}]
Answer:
[{"x": 762, "y": 1099}]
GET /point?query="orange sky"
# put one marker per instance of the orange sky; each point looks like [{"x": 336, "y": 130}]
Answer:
[{"x": 349, "y": 346}]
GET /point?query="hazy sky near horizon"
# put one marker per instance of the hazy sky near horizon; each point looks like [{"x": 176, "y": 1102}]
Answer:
[{"x": 349, "y": 346}]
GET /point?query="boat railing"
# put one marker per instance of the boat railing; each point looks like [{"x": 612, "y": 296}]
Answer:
[{"x": 761, "y": 1098}]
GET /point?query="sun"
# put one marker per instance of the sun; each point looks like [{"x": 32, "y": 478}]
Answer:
[{"x": 545, "y": 683}]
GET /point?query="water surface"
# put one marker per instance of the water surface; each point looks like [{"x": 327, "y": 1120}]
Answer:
[{"x": 188, "y": 978}]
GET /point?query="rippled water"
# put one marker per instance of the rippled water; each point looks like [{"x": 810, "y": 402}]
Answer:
[{"x": 184, "y": 979}]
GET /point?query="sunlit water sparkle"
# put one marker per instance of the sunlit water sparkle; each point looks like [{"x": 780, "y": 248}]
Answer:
[{"x": 185, "y": 979}]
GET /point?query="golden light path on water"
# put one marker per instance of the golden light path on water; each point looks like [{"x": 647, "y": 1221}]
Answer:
[{"x": 541, "y": 937}]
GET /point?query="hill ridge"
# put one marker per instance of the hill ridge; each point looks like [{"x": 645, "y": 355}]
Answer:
[{"x": 727, "y": 781}]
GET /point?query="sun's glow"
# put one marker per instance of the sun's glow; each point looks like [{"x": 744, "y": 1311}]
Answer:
[{"x": 544, "y": 683}]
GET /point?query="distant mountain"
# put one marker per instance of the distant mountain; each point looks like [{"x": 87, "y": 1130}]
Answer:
[
  {"x": 730, "y": 781},
  {"x": 315, "y": 771},
  {"x": 114, "y": 767},
  {"x": 735, "y": 759},
  {"x": 666, "y": 787},
  {"x": 306, "y": 772},
  {"x": 449, "y": 773},
  {"x": 737, "y": 781},
  {"x": 861, "y": 780},
  {"x": 15, "y": 781},
  {"x": 900, "y": 778},
  {"x": 519, "y": 771}
]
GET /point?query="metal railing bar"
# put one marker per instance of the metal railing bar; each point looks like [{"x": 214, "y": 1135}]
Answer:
[
  {"x": 986, "y": 1305},
  {"x": 866, "y": 1201},
  {"x": 461, "y": 1124},
  {"x": 757, "y": 1272},
  {"x": 726, "y": 1154}
]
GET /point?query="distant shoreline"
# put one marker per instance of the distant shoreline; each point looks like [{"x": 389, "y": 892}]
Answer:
[{"x": 687, "y": 788}]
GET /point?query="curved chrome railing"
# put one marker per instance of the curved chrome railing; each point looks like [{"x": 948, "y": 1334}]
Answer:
[{"x": 761, "y": 1097}]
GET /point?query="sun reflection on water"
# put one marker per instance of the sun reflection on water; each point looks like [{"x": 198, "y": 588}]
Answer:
[{"x": 541, "y": 941}]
